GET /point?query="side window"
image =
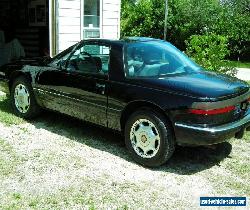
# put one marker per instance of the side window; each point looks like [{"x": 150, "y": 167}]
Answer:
[
  {"x": 93, "y": 59},
  {"x": 151, "y": 61}
]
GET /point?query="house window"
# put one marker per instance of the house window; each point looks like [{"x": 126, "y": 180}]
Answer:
[{"x": 91, "y": 19}]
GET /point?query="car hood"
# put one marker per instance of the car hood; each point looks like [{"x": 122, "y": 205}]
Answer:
[
  {"x": 204, "y": 85},
  {"x": 18, "y": 64}
]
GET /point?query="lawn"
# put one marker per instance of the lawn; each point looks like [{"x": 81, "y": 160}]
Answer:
[
  {"x": 240, "y": 64},
  {"x": 6, "y": 115},
  {"x": 55, "y": 162}
]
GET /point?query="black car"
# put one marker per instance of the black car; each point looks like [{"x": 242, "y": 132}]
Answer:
[{"x": 145, "y": 88}]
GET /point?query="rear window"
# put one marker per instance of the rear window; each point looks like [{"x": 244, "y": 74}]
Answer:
[{"x": 157, "y": 59}]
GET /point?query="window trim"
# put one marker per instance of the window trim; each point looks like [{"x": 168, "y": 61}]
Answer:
[{"x": 82, "y": 44}]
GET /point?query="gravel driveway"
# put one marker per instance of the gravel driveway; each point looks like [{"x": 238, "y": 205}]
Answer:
[{"x": 56, "y": 162}]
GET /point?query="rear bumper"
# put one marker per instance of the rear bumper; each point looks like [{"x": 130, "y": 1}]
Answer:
[
  {"x": 189, "y": 134},
  {"x": 4, "y": 85}
]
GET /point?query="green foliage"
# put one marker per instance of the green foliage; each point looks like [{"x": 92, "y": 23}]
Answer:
[
  {"x": 185, "y": 18},
  {"x": 230, "y": 18},
  {"x": 143, "y": 18},
  {"x": 6, "y": 113},
  {"x": 234, "y": 22},
  {"x": 239, "y": 64},
  {"x": 210, "y": 51},
  {"x": 190, "y": 17}
]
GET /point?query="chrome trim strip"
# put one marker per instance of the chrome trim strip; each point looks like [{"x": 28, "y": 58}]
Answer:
[
  {"x": 116, "y": 110},
  {"x": 221, "y": 104},
  {"x": 217, "y": 129},
  {"x": 65, "y": 96}
]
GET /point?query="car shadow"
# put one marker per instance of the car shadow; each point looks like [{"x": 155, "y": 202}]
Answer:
[
  {"x": 185, "y": 161},
  {"x": 190, "y": 160}
]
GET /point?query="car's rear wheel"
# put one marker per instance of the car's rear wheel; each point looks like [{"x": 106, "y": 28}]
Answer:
[
  {"x": 23, "y": 99},
  {"x": 149, "y": 138}
]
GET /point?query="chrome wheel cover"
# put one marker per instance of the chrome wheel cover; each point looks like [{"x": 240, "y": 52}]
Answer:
[
  {"x": 145, "y": 138},
  {"x": 22, "y": 98}
]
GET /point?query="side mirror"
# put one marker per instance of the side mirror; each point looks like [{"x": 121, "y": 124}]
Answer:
[{"x": 59, "y": 64}]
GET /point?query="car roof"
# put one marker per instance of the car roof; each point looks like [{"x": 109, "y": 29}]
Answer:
[
  {"x": 139, "y": 39},
  {"x": 123, "y": 40}
]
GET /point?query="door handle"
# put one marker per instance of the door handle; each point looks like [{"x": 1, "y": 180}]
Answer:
[{"x": 100, "y": 88}]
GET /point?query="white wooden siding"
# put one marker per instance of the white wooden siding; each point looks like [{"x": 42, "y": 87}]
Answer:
[
  {"x": 69, "y": 4},
  {"x": 69, "y": 13},
  {"x": 68, "y": 23},
  {"x": 69, "y": 27},
  {"x": 111, "y": 19}
]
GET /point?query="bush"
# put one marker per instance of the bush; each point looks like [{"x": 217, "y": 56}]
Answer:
[{"x": 210, "y": 51}]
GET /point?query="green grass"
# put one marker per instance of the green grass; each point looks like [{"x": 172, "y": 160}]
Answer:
[
  {"x": 225, "y": 174},
  {"x": 8, "y": 159},
  {"x": 6, "y": 114},
  {"x": 236, "y": 176},
  {"x": 62, "y": 200},
  {"x": 229, "y": 177},
  {"x": 239, "y": 64},
  {"x": 9, "y": 163}
]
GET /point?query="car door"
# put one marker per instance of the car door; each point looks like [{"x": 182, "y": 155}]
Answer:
[{"x": 78, "y": 87}]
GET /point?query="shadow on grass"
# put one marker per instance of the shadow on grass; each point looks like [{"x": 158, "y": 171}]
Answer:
[
  {"x": 6, "y": 115},
  {"x": 185, "y": 160},
  {"x": 190, "y": 160},
  {"x": 5, "y": 105}
]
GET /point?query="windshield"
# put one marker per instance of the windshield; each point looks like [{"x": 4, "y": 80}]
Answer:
[
  {"x": 157, "y": 59},
  {"x": 62, "y": 57}
]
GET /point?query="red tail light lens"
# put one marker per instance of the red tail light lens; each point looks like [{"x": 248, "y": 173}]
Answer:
[{"x": 212, "y": 111}]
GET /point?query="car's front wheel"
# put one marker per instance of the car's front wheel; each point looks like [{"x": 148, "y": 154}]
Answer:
[
  {"x": 149, "y": 138},
  {"x": 22, "y": 98}
]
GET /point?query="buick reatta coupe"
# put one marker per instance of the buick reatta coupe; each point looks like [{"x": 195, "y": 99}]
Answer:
[{"x": 144, "y": 88}]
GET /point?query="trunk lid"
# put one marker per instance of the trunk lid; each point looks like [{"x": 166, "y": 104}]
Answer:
[{"x": 207, "y": 86}]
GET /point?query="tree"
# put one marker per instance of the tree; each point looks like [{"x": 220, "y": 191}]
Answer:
[
  {"x": 234, "y": 22},
  {"x": 142, "y": 18},
  {"x": 229, "y": 18},
  {"x": 209, "y": 51},
  {"x": 186, "y": 17}
]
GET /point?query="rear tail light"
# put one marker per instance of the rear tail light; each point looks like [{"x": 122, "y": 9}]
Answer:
[{"x": 212, "y": 111}]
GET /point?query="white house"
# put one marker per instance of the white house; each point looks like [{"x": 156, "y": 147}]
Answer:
[{"x": 74, "y": 20}]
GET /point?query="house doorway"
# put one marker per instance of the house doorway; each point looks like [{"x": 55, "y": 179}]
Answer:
[{"x": 26, "y": 21}]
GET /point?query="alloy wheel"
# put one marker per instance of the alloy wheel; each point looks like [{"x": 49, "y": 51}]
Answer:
[
  {"x": 22, "y": 98},
  {"x": 145, "y": 138}
]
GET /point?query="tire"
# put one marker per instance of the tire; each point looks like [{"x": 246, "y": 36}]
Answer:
[
  {"x": 25, "y": 105},
  {"x": 149, "y": 138}
]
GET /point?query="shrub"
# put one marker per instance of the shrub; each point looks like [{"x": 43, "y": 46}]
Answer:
[{"x": 210, "y": 51}]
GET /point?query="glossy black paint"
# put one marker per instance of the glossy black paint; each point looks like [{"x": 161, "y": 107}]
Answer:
[{"x": 109, "y": 99}]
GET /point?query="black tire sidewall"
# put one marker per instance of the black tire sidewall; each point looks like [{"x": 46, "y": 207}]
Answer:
[
  {"x": 167, "y": 140},
  {"x": 34, "y": 108}
]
